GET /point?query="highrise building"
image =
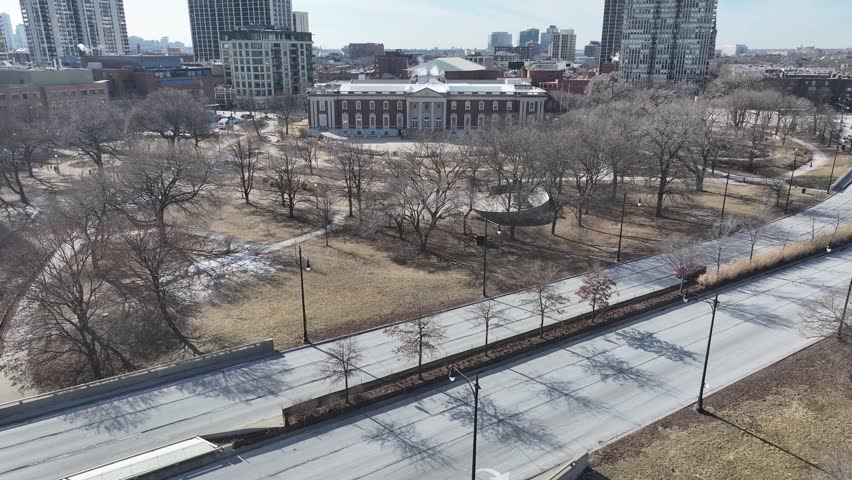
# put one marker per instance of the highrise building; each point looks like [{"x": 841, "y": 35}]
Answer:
[
  {"x": 208, "y": 19},
  {"x": 56, "y": 27},
  {"x": 592, "y": 50},
  {"x": 613, "y": 21},
  {"x": 499, "y": 39},
  {"x": 547, "y": 36},
  {"x": 21, "y": 36},
  {"x": 290, "y": 63},
  {"x": 300, "y": 22},
  {"x": 531, "y": 35},
  {"x": 564, "y": 46},
  {"x": 667, "y": 40},
  {"x": 6, "y": 31}
]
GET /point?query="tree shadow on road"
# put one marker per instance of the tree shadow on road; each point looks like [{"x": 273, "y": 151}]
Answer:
[
  {"x": 506, "y": 424},
  {"x": 649, "y": 342},
  {"x": 566, "y": 393},
  {"x": 760, "y": 315},
  {"x": 408, "y": 443},
  {"x": 611, "y": 368}
]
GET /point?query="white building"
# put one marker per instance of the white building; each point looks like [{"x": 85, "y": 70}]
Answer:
[
  {"x": 56, "y": 27},
  {"x": 564, "y": 46},
  {"x": 21, "y": 36},
  {"x": 262, "y": 64},
  {"x": 300, "y": 22},
  {"x": 388, "y": 108},
  {"x": 667, "y": 40},
  {"x": 734, "y": 50}
]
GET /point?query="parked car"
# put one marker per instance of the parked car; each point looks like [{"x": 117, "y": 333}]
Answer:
[{"x": 691, "y": 271}]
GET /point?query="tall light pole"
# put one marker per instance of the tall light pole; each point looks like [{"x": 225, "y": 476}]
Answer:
[
  {"x": 474, "y": 386},
  {"x": 843, "y": 315},
  {"x": 699, "y": 406},
  {"x": 831, "y": 177},
  {"x": 621, "y": 228},
  {"x": 790, "y": 187},
  {"x": 485, "y": 255},
  {"x": 302, "y": 283},
  {"x": 725, "y": 197}
]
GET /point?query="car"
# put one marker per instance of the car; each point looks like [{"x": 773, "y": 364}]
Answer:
[{"x": 691, "y": 271}]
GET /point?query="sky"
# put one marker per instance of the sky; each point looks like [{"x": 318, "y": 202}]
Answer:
[{"x": 467, "y": 23}]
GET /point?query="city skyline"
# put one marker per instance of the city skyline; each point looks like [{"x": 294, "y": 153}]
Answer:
[{"x": 740, "y": 21}]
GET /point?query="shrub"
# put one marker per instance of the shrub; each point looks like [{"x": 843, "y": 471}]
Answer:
[{"x": 775, "y": 257}]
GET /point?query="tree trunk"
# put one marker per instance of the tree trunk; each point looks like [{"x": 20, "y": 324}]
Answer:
[
  {"x": 553, "y": 223},
  {"x": 661, "y": 193}
]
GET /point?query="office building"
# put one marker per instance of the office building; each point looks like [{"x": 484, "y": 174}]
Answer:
[
  {"x": 523, "y": 52},
  {"x": 394, "y": 64},
  {"x": 375, "y": 108},
  {"x": 499, "y": 39},
  {"x": 592, "y": 50},
  {"x": 300, "y": 22},
  {"x": 531, "y": 35},
  {"x": 55, "y": 28},
  {"x": 208, "y": 19},
  {"x": 21, "y": 36},
  {"x": 547, "y": 37},
  {"x": 287, "y": 56},
  {"x": 667, "y": 40},
  {"x": 613, "y": 21},
  {"x": 734, "y": 50},
  {"x": 564, "y": 45},
  {"x": 6, "y": 32},
  {"x": 55, "y": 90}
]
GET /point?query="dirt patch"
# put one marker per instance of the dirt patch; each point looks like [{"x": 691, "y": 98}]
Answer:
[{"x": 780, "y": 423}]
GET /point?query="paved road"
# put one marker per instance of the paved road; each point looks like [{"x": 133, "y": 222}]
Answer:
[
  {"x": 84, "y": 437},
  {"x": 538, "y": 412}
]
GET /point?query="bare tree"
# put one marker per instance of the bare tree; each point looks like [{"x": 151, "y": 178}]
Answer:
[
  {"x": 245, "y": 159},
  {"x": 173, "y": 115},
  {"x": 597, "y": 150},
  {"x": 488, "y": 315},
  {"x": 825, "y": 316},
  {"x": 285, "y": 178},
  {"x": 703, "y": 147},
  {"x": 342, "y": 362},
  {"x": 472, "y": 184},
  {"x": 286, "y": 107},
  {"x": 722, "y": 232},
  {"x": 72, "y": 329},
  {"x": 325, "y": 207},
  {"x": 308, "y": 150},
  {"x": 680, "y": 253},
  {"x": 546, "y": 299},
  {"x": 597, "y": 289},
  {"x": 427, "y": 182},
  {"x": 666, "y": 129},
  {"x": 97, "y": 131},
  {"x": 155, "y": 271},
  {"x": 356, "y": 165},
  {"x": 152, "y": 183},
  {"x": 754, "y": 225},
  {"x": 419, "y": 337}
]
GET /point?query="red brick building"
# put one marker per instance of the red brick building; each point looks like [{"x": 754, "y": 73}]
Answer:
[
  {"x": 50, "y": 89},
  {"x": 376, "y": 108}
]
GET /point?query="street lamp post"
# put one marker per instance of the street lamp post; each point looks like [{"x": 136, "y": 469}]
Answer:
[
  {"x": 302, "y": 284},
  {"x": 474, "y": 386},
  {"x": 790, "y": 187},
  {"x": 843, "y": 315},
  {"x": 725, "y": 197},
  {"x": 833, "y": 165},
  {"x": 621, "y": 228},
  {"x": 485, "y": 255},
  {"x": 699, "y": 406}
]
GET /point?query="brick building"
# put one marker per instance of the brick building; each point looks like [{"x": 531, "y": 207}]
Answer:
[
  {"x": 50, "y": 89},
  {"x": 376, "y": 108},
  {"x": 136, "y": 76}
]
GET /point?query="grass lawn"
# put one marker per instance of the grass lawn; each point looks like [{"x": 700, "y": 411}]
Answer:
[{"x": 781, "y": 423}]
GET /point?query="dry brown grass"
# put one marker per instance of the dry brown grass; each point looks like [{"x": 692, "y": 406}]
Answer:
[
  {"x": 777, "y": 424},
  {"x": 351, "y": 286},
  {"x": 774, "y": 257}
]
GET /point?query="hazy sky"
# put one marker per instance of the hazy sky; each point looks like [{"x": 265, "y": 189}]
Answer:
[{"x": 467, "y": 23}]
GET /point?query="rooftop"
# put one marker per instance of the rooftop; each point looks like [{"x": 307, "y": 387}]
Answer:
[
  {"x": 445, "y": 64},
  {"x": 404, "y": 87}
]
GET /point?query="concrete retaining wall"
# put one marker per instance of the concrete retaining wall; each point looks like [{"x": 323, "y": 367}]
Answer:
[{"x": 30, "y": 407}]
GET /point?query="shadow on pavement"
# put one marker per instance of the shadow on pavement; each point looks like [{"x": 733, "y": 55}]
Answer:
[{"x": 408, "y": 443}]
